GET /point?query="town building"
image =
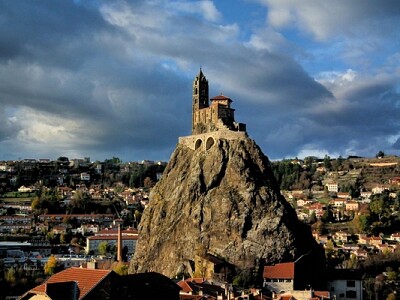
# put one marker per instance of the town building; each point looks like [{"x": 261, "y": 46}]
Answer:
[
  {"x": 91, "y": 283},
  {"x": 332, "y": 187},
  {"x": 129, "y": 240},
  {"x": 345, "y": 284},
  {"x": 280, "y": 278}
]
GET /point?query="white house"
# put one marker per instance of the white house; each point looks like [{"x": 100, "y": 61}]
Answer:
[{"x": 345, "y": 284}]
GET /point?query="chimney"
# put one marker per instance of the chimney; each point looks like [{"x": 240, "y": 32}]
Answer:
[
  {"x": 91, "y": 264},
  {"x": 119, "y": 244}
]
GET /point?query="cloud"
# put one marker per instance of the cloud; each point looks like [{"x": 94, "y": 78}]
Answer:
[
  {"x": 113, "y": 78},
  {"x": 205, "y": 8},
  {"x": 324, "y": 19}
]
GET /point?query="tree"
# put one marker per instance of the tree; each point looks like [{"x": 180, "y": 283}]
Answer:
[
  {"x": 138, "y": 216},
  {"x": 379, "y": 206},
  {"x": 352, "y": 262},
  {"x": 35, "y": 205},
  {"x": 391, "y": 296},
  {"x": 329, "y": 248},
  {"x": 391, "y": 275},
  {"x": 327, "y": 162},
  {"x": 50, "y": 265},
  {"x": 362, "y": 222},
  {"x": 11, "y": 276},
  {"x": 327, "y": 216},
  {"x": 81, "y": 201},
  {"x": 121, "y": 269},
  {"x": 148, "y": 182},
  {"x": 103, "y": 248},
  {"x": 380, "y": 154},
  {"x": 313, "y": 218}
]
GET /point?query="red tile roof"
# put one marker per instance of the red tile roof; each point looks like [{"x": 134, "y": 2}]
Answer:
[
  {"x": 195, "y": 279},
  {"x": 322, "y": 294},
  {"x": 185, "y": 286},
  {"x": 221, "y": 97},
  {"x": 87, "y": 279},
  {"x": 280, "y": 271}
]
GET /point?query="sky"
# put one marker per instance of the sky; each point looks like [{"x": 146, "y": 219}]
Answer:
[{"x": 105, "y": 79}]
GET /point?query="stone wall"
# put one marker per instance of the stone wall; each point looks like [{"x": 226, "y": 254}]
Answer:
[{"x": 206, "y": 140}]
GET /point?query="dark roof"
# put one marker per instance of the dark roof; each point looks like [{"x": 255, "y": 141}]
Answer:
[
  {"x": 150, "y": 285},
  {"x": 62, "y": 290},
  {"x": 344, "y": 274}
]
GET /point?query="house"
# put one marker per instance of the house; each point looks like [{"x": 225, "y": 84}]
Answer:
[
  {"x": 338, "y": 203},
  {"x": 345, "y": 284},
  {"x": 365, "y": 194},
  {"x": 341, "y": 236},
  {"x": 332, "y": 187},
  {"x": 360, "y": 253},
  {"x": 24, "y": 189},
  {"x": 74, "y": 283},
  {"x": 375, "y": 240},
  {"x": 317, "y": 208},
  {"x": 280, "y": 277},
  {"x": 59, "y": 229},
  {"x": 85, "y": 176},
  {"x": 395, "y": 237},
  {"x": 197, "y": 287},
  {"x": 129, "y": 239},
  {"x": 385, "y": 248},
  {"x": 83, "y": 283},
  {"x": 395, "y": 181},
  {"x": 343, "y": 195},
  {"x": 352, "y": 206},
  {"x": 303, "y": 202},
  {"x": 378, "y": 189},
  {"x": 369, "y": 240}
]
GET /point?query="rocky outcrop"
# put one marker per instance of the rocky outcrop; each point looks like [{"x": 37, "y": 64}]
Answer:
[{"x": 224, "y": 202}]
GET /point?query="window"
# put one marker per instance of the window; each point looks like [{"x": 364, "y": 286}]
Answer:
[
  {"x": 351, "y": 283},
  {"x": 351, "y": 294}
]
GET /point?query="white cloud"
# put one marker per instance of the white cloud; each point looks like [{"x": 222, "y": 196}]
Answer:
[
  {"x": 336, "y": 78},
  {"x": 206, "y": 8},
  {"x": 326, "y": 18},
  {"x": 314, "y": 150}
]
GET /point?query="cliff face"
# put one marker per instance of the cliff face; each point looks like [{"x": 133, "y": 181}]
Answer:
[{"x": 224, "y": 202}]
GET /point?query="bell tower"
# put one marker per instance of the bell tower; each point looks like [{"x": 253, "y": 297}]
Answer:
[{"x": 200, "y": 98}]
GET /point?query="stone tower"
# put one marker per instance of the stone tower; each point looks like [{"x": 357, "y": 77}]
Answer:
[{"x": 200, "y": 99}]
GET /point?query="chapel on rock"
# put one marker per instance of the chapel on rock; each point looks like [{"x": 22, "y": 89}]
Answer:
[{"x": 211, "y": 121}]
